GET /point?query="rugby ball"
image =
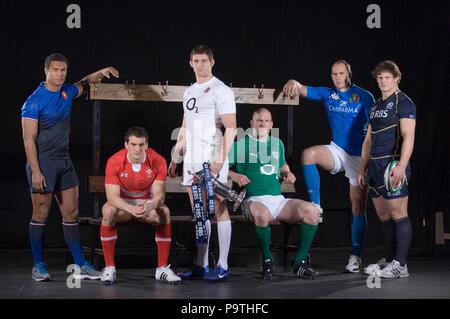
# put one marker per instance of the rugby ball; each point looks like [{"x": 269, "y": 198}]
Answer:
[{"x": 387, "y": 178}]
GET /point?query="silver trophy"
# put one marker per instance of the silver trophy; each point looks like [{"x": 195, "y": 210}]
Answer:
[{"x": 223, "y": 190}]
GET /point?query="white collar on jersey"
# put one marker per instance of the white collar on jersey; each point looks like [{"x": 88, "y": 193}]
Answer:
[
  {"x": 137, "y": 167},
  {"x": 206, "y": 83}
]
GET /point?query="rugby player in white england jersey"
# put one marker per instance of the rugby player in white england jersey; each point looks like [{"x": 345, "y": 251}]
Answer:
[{"x": 208, "y": 106}]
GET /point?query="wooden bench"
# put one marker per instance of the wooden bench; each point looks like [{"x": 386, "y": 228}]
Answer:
[
  {"x": 440, "y": 235},
  {"x": 96, "y": 186}
]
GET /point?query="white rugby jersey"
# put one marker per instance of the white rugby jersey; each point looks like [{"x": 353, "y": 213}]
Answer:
[{"x": 203, "y": 106}]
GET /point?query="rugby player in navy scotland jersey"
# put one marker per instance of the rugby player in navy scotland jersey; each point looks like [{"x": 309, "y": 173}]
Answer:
[{"x": 390, "y": 136}]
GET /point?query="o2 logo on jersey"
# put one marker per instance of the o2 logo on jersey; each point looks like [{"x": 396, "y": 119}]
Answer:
[{"x": 191, "y": 105}]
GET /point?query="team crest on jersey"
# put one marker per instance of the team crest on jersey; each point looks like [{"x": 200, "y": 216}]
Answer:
[
  {"x": 149, "y": 172},
  {"x": 355, "y": 98},
  {"x": 64, "y": 95},
  {"x": 276, "y": 155},
  {"x": 207, "y": 90},
  {"x": 390, "y": 106}
]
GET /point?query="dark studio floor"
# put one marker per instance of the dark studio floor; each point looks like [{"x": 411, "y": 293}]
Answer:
[{"x": 429, "y": 278}]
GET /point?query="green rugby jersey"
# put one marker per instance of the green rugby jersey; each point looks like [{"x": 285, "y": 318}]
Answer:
[{"x": 260, "y": 162}]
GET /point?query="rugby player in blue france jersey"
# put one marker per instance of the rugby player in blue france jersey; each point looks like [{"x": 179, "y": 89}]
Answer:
[
  {"x": 390, "y": 137},
  {"x": 347, "y": 107},
  {"x": 50, "y": 172}
]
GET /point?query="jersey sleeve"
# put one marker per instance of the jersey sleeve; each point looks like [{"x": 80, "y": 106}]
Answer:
[
  {"x": 407, "y": 109},
  {"x": 316, "y": 93},
  {"x": 240, "y": 151},
  {"x": 226, "y": 103},
  {"x": 367, "y": 102},
  {"x": 282, "y": 151},
  {"x": 182, "y": 105},
  {"x": 232, "y": 155},
  {"x": 72, "y": 91},
  {"x": 161, "y": 169},
  {"x": 31, "y": 110},
  {"x": 112, "y": 173}
]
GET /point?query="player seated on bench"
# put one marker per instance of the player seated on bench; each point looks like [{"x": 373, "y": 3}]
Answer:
[
  {"x": 135, "y": 190},
  {"x": 259, "y": 165}
]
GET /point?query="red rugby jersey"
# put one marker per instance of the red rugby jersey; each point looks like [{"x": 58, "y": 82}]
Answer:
[{"x": 135, "y": 185}]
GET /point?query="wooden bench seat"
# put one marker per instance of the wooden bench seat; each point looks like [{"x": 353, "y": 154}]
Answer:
[{"x": 96, "y": 186}]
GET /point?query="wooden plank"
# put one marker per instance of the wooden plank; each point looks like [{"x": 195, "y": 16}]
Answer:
[
  {"x": 263, "y": 97},
  {"x": 96, "y": 184},
  {"x": 171, "y": 93},
  {"x": 440, "y": 234},
  {"x": 130, "y": 92}
]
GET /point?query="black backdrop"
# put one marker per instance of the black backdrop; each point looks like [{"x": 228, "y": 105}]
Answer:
[{"x": 254, "y": 42}]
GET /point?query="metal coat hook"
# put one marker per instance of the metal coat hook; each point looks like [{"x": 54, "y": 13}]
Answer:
[
  {"x": 165, "y": 89},
  {"x": 261, "y": 91},
  {"x": 132, "y": 91},
  {"x": 293, "y": 97},
  {"x": 97, "y": 87}
]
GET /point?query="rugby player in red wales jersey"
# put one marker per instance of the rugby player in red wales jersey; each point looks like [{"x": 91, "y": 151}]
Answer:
[{"x": 135, "y": 190}]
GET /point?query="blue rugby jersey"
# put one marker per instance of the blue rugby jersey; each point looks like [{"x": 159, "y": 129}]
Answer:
[
  {"x": 348, "y": 114},
  {"x": 53, "y": 111},
  {"x": 384, "y": 122}
]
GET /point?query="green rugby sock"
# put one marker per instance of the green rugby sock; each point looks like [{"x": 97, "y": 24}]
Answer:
[{"x": 264, "y": 236}]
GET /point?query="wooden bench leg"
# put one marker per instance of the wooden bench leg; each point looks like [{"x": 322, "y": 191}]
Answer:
[
  {"x": 439, "y": 228},
  {"x": 287, "y": 236},
  {"x": 94, "y": 254}
]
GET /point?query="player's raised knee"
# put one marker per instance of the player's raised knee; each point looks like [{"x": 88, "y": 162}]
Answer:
[
  {"x": 309, "y": 156},
  {"x": 259, "y": 216},
  {"x": 109, "y": 213},
  {"x": 163, "y": 215},
  {"x": 310, "y": 214}
]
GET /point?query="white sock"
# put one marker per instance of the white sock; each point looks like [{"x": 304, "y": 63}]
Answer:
[
  {"x": 202, "y": 250},
  {"x": 224, "y": 233}
]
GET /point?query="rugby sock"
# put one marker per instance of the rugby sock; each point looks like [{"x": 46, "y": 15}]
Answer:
[
  {"x": 224, "y": 234},
  {"x": 359, "y": 228},
  {"x": 403, "y": 234},
  {"x": 163, "y": 238},
  {"x": 264, "y": 237},
  {"x": 307, "y": 233},
  {"x": 202, "y": 250},
  {"x": 388, "y": 235},
  {"x": 73, "y": 240},
  {"x": 312, "y": 182},
  {"x": 36, "y": 232},
  {"x": 108, "y": 235}
]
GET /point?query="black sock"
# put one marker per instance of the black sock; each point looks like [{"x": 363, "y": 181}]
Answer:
[
  {"x": 403, "y": 234},
  {"x": 388, "y": 235}
]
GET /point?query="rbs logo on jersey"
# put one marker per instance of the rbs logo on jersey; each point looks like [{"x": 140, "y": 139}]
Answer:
[{"x": 379, "y": 114}]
